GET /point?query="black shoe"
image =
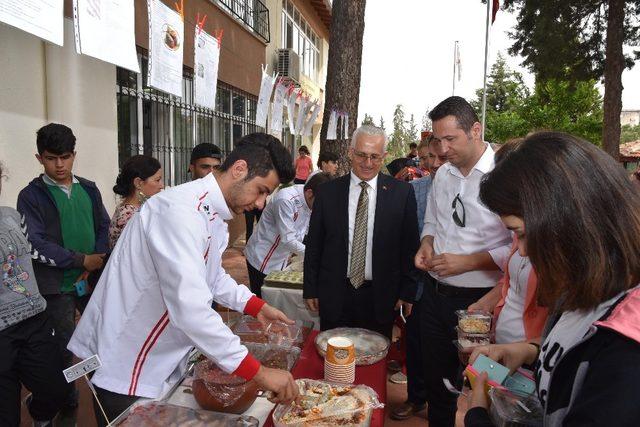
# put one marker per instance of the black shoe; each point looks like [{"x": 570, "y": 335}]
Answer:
[{"x": 406, "y": 411}]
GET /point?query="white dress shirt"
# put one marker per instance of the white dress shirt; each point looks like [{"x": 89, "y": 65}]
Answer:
[
  {"x": 483, "y": 230},
  {"x": 280, "y": 232},
  {"x": 510, "y": 326},
  {"x": 354, "y": 194}
]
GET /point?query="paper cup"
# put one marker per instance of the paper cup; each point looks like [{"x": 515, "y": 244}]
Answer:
[
  {"x": 340, "y": 351},
  {"x": 340, "y": 373}
]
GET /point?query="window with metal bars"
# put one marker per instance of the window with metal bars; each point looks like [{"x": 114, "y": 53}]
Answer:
[{"x": 166, "y": 127}]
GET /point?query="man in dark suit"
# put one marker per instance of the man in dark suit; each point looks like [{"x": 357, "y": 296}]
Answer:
[{"x": 362, "y": 236}]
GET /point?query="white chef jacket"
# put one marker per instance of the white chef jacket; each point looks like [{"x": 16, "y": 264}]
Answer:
[
  {"x": 483, "y": 230},
  {"x": 153, "y": 301},
  {"x": 280, "y": 231}
]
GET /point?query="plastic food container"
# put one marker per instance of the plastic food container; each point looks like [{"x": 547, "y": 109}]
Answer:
[
  {"x": 152, "y": 413},
  {"x": 327, "y": 404},
  {"x": 475, "y": 322},
  {"x": 463, "y": 353},
  {"x": 509, "y": 410},
  {"x": 280, "y": 333},
  {"x": 218, "y": 391},
  {"x": 273, "y": 356},
  {"x": 371, "y": 347},
  {"x": 467, "y": 340}
]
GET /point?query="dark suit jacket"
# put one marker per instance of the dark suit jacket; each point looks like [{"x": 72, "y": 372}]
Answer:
[{"x": 395, "y": 242}]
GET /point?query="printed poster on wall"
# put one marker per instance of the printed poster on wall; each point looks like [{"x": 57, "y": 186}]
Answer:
[
  {"x": 166, "y": 39},
  {"x": 42, "y": 18},
  {"x": 207, "y": 56},
  {"x": 105, "y": 29}
]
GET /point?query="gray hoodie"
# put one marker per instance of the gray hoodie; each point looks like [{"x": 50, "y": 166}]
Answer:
[{"x": 19, "y": 295}]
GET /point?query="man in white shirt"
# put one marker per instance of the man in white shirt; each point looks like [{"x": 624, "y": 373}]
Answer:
[
  {"x": 363, "y": 232},
  {"x": 281, "y": 230},
  {"x": 152, "y": 304},
  {"x": 463, "y": 247}
]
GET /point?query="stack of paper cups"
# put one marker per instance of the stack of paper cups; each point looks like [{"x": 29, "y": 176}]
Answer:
[{"x": 340, "y": 361}]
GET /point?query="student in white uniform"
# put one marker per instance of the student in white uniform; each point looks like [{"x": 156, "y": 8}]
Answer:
[
  {"x": 152, "y": 304},
  {"x": 281, "y": 230}
]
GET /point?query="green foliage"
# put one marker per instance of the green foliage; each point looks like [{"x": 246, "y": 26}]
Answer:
[
  {"x": 368, "y": 120},
  {"x": 512, "y": 111},
  {"x": 404, "y": 133},
  {"x": 381, "y": 125},
  {"x": 630, "y": 133}
]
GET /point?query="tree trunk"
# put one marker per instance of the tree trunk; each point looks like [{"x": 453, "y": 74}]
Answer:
[
  {"x": 343, "y": 72},
  {"x": 614, "y": 65}
]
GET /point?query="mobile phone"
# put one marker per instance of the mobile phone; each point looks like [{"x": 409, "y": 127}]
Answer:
[{"x": 81, "y": 287}]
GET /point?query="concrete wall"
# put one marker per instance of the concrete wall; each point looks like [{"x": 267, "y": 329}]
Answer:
[{"x": 44, "y": 83}]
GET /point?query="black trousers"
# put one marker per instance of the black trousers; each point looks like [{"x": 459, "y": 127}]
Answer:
[
  {"x": 256, "y": 279},
  {"x": 250, "y": 217},
  {"x": 29, "y": 354},
  {"x": 438, "y": 321},
  {"x": 113, "y": 403},
  {"x": 357, "y": 311},
  {"x": 416, "y": 392}
]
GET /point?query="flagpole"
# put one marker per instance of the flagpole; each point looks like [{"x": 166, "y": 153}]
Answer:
[
  {"x": 455, "y": 51},
  {"x": 486, "y": 60}
]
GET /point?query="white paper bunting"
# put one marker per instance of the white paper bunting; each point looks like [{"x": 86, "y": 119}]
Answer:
[
  {"x": 277, "y": 108},
  {"x": 166, "y": 39},
  {"x": 266, "y": 87},
  {"x": 302, "y": 114},
  {"x": 106, "y": 30},
  {"x": 206, "y": 60},
  {"x": 291, "y": 108},
  {"x": 332, "y": 127},
  {"x": 42, "y": 18},
  {"x": 345, "y": 119},
  {"x": 308, "y": 127}
]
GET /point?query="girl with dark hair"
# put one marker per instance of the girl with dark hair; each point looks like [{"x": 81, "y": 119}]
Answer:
[
  {"x": 140, "y": 178},
  {"x": 577, "y": 218},
  {"x": 304, "y": 165}
]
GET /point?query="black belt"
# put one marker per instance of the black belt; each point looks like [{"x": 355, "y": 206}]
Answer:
[
  {"x": 365, "y": 284},
  {"x": 457, "y": 292}
]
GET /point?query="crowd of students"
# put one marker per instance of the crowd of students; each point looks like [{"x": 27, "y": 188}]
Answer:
[{"x": 542, "y": 233}]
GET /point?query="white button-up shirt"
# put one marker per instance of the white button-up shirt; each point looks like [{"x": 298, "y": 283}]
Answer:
[
  {"x": 354, "y": 194},
  {"x": 483, "y": 230}
]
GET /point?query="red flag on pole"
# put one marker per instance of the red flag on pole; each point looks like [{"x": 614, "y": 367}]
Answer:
[{"x": 496, "y": 6}]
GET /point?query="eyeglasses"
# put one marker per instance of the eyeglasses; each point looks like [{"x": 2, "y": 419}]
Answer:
[
  {"x": 363, "y": 157},
  {"x": 456, "y": 217}
]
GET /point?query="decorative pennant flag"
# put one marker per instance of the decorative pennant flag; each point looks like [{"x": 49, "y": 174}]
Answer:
[
  {"x": 206, "y": 62},
  {"x": 106, "y": 30},
  {"x": 277, "y": 108},
  {"x": 303, "y": 110},
  {"x": 291, "y": 109},
  {"x": 266, "y": 87},
  {"x": 166, "y": 37},
  {"x": 332, "y": 127},
  {"x": 317, "y": 106}
]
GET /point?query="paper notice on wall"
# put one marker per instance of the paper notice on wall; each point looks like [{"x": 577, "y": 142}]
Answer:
[
  {"x": 206, "y": 61},
  {"x": 264, "y": 99},
  {"x": 42, "y": 18},
  {"x": 332, "y": 127},
  {"x": 105, "y": 29},
  {"x": 308, "y": 126},
  {"x": 277, "y": 108},
  {"x": 305, "y": 104},
  {"x": 291, "y": 109},
  {"x": 166, "y": 39}
]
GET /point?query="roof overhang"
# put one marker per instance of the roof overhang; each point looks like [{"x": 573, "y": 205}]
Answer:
[{"x": 323, "y": 9}]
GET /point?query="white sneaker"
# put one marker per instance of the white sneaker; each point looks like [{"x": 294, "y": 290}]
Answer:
[{"x": 398, "y": 378}]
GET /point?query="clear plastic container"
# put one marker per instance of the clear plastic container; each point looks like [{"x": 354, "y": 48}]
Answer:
[
  {"x": 475, "y": 322},
  {"x": 152, "y": 413},
  {"x": 280, "y": 333},
  {"x": 274, "y": 356},
  {"x": 469, "y": 340},
  {"x": 509, "y": 410},
  {"x": 250, "y": 330},
  {"x": 326, "y": 404}
]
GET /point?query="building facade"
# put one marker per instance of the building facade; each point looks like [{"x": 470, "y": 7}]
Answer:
[{"x": 630, "y": 117}]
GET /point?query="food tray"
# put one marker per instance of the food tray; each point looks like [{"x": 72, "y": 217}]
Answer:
[
  {"x": 272, "y": 356},
  {"x": 285, "y": 279},
  {"x": 328, "y": 404},
  {"x": 371, "y": 347},
  {"x": 152, "y": 413},
  {"x": 476, "y": 322}
]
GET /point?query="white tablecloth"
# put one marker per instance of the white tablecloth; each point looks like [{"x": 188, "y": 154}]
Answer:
[{"x": 291, "y": 303}]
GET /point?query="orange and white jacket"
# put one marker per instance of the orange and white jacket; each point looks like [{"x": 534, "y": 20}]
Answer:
[{"x": 152, "y": 304}]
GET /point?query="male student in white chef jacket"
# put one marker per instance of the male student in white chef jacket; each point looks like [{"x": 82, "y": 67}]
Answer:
[
  {"x": 281, "y": 230},
  {"x": 152, "y": 304}
]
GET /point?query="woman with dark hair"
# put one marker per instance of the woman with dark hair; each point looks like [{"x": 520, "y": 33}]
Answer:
[
  {"x": 139, "y": 179},
  {"x": 303, "y": 164},
  {"x": 577, "y": 217}
]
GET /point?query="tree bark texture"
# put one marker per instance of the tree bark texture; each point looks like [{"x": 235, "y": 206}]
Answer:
[
  {"x": 614, "y": 65},
  {"x": 343, "y": 73}
]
